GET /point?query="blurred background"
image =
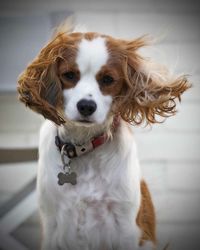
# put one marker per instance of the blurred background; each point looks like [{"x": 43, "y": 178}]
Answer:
[{"x": 169, "y": 152}]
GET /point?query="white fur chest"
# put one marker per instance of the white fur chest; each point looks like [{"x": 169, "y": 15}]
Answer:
[{"x": 100, "y": 211}]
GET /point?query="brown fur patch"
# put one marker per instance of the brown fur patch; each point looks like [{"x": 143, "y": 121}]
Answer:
[
  {"x": 65, "y": 67},
  {"x": 91, "y": 35},
  {"x": 113, "y": 71}
]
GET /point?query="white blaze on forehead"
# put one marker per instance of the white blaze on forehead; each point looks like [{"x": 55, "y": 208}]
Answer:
[{"x": 92, "y": 55}]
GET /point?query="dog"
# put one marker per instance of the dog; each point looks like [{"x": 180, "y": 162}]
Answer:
[{"x": 91, "y": 88}]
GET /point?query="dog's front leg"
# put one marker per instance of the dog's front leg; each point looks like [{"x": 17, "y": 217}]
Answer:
[{"x": 49, "y": 234}]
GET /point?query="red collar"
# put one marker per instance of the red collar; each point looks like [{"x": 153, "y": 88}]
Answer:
[{"x": 73, "y": 150}]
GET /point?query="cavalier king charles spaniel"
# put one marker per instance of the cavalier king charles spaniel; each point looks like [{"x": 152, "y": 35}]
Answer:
[{"x": 91, "y": 88}]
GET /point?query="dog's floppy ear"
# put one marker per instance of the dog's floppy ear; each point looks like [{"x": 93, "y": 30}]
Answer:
[
  {"x": 151, "y": 92},
  {"x": 39, "y": 87}
]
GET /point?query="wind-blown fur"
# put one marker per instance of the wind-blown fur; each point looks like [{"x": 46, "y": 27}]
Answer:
[{"x": 110, "y": 207}]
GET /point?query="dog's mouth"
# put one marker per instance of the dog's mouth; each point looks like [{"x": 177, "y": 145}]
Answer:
[{"x": 85, "y": 121}]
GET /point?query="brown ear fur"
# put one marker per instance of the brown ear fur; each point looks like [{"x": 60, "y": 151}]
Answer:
[
  {"x": 39, "y": 88},
  {"x": 150, "y": 90}
]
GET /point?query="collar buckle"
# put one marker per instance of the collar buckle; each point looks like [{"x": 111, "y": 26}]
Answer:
[
  {"x": 85, "y": 148},
  {"x": 69, "y": 150}
]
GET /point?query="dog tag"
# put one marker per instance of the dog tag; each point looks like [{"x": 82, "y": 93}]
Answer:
[{"x": 67, "y": 178}]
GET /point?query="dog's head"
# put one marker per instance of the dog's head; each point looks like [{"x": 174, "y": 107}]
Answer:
[{"x": 87, "y": 77}]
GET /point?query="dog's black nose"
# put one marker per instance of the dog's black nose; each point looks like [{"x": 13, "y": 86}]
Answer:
[{"x": 86, "y": 107}]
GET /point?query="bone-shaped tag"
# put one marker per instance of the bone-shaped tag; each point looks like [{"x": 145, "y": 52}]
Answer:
[{"x": 67, "y": 178}]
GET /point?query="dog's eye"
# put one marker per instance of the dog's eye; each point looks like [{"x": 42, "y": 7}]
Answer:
[
  {"x": 69, "y": 76},
  {"x": 107, "y": 80}
]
